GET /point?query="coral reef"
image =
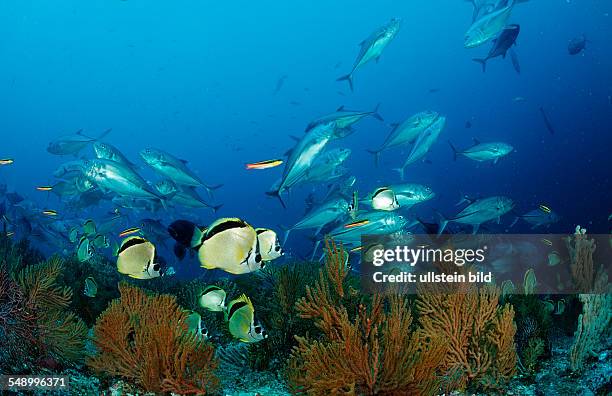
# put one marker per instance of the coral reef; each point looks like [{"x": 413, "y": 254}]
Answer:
[
  {"x": 478, "y": 332},
  {"x": 582, "y": 268},
  {"x": 62, "y": 333},
  {"x": 37, "y": 326},
  {"x": 17, "y": 324},
  {"x": 592, "y": 325},
  {"x": 143, "y": 338},
  {"x": 596, "y": 316},
  {"x": 369, "y": 352}
]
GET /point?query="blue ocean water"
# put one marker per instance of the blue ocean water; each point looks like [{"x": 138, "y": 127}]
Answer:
[{"x": 198, "y": 79}]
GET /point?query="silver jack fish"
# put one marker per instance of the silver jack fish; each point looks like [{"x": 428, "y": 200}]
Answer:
[
  {"x": 120, "y": 179},
  {"x": 301, "y": 157},
  {"x": 406, "y": 132},
  {"x": 484, "y": 151},
  {"x": 173, "y": 168},
  {"x": 423, "y": 143},
  {"x": 479, "y": 211},
  {"x": 488, "y": 27},
  {"x": 318, "y": 218},
  {"x": 373, "y": 46}
]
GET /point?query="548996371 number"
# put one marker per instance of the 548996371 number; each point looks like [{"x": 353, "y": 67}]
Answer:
[{"x": 33, "y": 382}]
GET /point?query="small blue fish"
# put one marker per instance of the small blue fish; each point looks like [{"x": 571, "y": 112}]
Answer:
[{"x": 91, "y": 287}]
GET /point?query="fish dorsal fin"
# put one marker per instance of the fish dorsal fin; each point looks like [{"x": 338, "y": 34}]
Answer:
[
  {"x": 210, "y": 288},
  {"x": 183, "y": 161},
  {"x": 341, "y": 108},
  {"x": 476, "y": 141},
  {"x": 235, "y": 305},
  {"x": 297, "y": 139},
  {"x": 129, "y": 242},
  {"x": 379, "y": 190},
  {"x": 223, "y": 225}
]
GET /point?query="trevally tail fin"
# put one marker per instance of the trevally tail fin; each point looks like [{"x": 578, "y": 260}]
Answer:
[
  {"x": 349, "y": 78},
  {"x": 375, "y": 113},
  {"x": 376, "y": 154},
  {"x": 442, "y": 222},
  {"x": 454, "y": 150},
  {"x": 483, "y": 63},
  {"x": 277, "y": 195},
  {"x": 400, "y": 171},
  {"x": 210, "y": 189}
]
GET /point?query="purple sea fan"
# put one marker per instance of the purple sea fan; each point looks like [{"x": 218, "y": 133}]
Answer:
[{"x": 17, "y": 323}]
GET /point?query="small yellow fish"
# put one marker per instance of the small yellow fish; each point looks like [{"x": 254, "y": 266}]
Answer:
[
  {"x": 264, "y": 164},
  {"x": 545, "y": 208},
  {"x": 356, "y": 249},
  {"x": 129, "y": 231},
  {"x": 49, "y": 212},
  {"x": 44, "y": 188},
  {"x": 357, "y": 223},
  {"x": 546, "y": 241},
  {"x": 6, "y": 161}
]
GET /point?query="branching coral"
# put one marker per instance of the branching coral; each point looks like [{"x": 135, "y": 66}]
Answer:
[
  {"x": 369, "y": 353},
  {"x": 583, "y": 270},
  {"x": 17, "y": 324},
  {"x": 479, "y": 333},
  {"x": 596, "y": 314},
  {"x": 62, "y": 333},
  {"x": 144, "y": 338},
  {"x": 592, "y": 323},
  {"x": 39, "y": 328}
]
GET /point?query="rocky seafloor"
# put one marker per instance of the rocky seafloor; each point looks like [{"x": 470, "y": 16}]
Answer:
[{"x": 553, "y": 378}]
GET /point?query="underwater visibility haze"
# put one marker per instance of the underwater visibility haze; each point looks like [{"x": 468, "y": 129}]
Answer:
[{"x": 184, "y": 188}]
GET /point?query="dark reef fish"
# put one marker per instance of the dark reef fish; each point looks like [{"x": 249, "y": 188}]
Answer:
[
  {"x": 576, "y": 45},
  {"x": 501, "y": 45},
  {"x": 547, "y": 121},
  {"x": 182, "y": 231}
]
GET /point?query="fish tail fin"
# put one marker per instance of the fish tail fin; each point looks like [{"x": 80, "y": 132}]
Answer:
[
  {"x": 349, "y": 78},
  {"x": 376, "y": 154},
  {"x": 314, "y": 251},
  {"x": 375, "y": 113},
  {"x": 287, "y": 231},
  {"x": 442, "y": 222},
  {"x": 103, "y": 134},
  {"x": 400, "y": 171},
  {"x": 277, "y": 195},
  {"x": 454, "y": 150},
  {"x": 210, "y": 189},
  {"x": 162, "y": 201},
  {"x": 483, "y": 62}
]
